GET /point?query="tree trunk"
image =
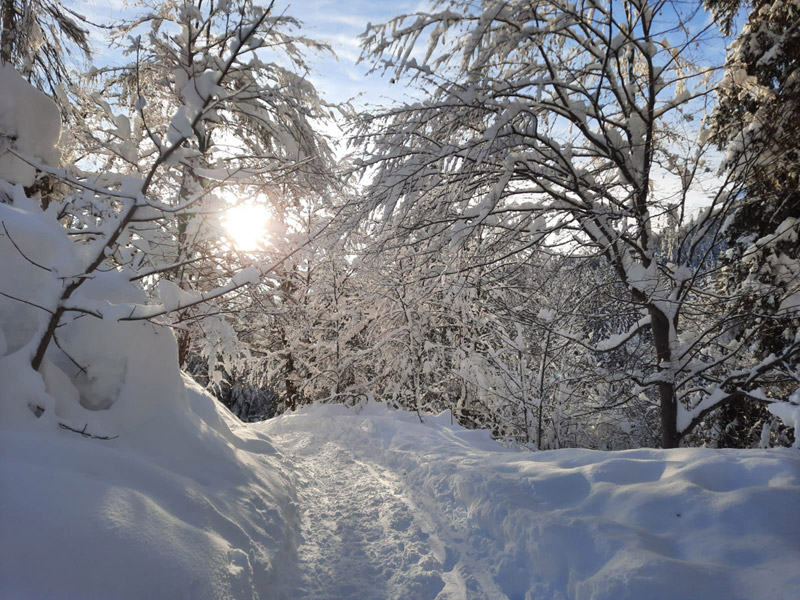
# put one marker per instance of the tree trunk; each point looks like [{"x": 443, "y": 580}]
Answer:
[
  {"x": 7, "y": 14},
  {"x": 184, "y": 343},
  {"x": 539, "y": 416},
  {"x": 289, "y": 374},
  {"x": 660, "y": 326}
]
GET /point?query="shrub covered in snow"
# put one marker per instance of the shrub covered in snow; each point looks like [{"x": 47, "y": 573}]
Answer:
[{"x": 120, "y": 478}]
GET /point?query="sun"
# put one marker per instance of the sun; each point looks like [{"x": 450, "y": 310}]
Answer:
[{"x": 247, "y": 226}]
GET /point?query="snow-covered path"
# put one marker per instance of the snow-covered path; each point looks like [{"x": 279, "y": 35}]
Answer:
[
  {"x": 366, "y": 534},
  {"x": 390, "y": 508},
  {"x": 358, "y": 536}
]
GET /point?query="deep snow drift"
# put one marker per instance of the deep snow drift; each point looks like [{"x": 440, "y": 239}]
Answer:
[
  {"x": 180, "y": 508},
  {"x": 370, "y": 503}
]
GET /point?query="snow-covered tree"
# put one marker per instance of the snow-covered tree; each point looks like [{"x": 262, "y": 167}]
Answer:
[
  {"x": 302, "y": 333},
  {"x": 256, "y": 144},
  {"x": 40, "y": 38},
  {"x": 118, "y": 216},
  {"x": 550, "y": 124},
  {"x": 757, "y": 124}
]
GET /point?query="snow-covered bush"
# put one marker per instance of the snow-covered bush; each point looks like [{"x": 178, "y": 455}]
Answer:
[
  {"x": 134, "y": 232},
  {"x": 30, "y": 122},
  {"x": 99, "y": 376},
  {"x": 120, "y": 478}
]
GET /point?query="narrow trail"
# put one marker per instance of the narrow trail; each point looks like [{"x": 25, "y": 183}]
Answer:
[
  {"x": 358, "y": 537},
  {"x": 362, "y": 535}
]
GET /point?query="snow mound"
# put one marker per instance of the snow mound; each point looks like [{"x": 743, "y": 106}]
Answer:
[
  {"x": 106, "y": 376},
  {"x": 187, "y": 509},
  {"x": 30, "y": 123},
  {"x": 579, "y": 524}
]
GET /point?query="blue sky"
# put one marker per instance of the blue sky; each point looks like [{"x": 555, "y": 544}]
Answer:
[{"x": 337, "y": 22}]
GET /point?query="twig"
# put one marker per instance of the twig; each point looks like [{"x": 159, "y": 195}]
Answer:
[
  {"x": 22, "y": 254},
  {"x": 47, "y": 310},
  {"x": 85, "y": 434},
  {"x": 72, "y": 360}
]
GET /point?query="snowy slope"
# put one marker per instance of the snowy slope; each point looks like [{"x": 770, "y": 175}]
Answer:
[
  {"x": 398, "y": 509},
  {"x": 177, "y": 510}
]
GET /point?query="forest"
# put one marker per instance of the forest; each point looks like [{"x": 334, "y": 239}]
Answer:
[
  {"x": 505, "y": 308},
  {"x": 582, "y": 231}
]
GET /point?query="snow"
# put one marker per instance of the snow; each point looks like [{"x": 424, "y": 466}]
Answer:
[
  {"x": 615, "y": 341},
  {"x": 180, "y": 127},
  {"x": 23, "y": 230},
  {"x": 29, "y": 123},
  {"x": 711, "y": 399},
  {"x": 249, "y": 275},
  {"x": 181, "y": 509},
  {"x": 789, "y": 413},
  {"x": 491, "y": 522},
  {"x": 173, "y": 297},
  {"x": 337, "y": 503}
]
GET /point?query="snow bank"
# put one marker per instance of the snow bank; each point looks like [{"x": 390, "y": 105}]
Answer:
[
  {"x": 30, "y": 123},
  {"x": 185, "y": 508},
  {"x": 579, "y": 524}
]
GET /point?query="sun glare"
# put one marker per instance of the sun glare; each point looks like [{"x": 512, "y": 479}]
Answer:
[{"x": 247, "y": 226}]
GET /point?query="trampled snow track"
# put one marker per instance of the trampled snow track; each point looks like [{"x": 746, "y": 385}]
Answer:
[
  {"x": 391, "y": 508},
  {"x": 359, "y": 537}
]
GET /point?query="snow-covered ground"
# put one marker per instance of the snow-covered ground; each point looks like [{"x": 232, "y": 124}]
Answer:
[
  {"x": 179, "y": 509},
  {"x": 397, "y": 509},
  {"x": 367, "y": 503}
]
